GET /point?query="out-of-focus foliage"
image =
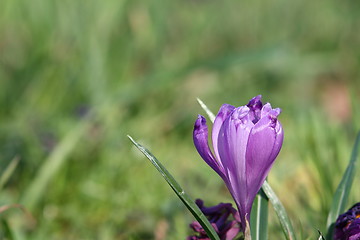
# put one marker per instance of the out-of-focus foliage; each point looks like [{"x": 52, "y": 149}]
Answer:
[{"x": 77, "y": 76}]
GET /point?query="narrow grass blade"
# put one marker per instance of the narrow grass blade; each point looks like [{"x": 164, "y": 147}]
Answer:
[
  {"x": 280, "y": 212},
  {"x": 342, "y": 192},
  {"x": 259, "y": 217},
  {"x": 188, "y": 202},
  {"x": 207, "y": 110},
  {"x": 321, "y": 236},
  {"x": 52, "y": 165},
  {"x": 8, "y": 171},
  {"x": 6, "y": 230}
]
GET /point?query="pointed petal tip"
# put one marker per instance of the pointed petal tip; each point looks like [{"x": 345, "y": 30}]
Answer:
[
  {"x": 255, "y": 103},
  {"x": 267, "y": 106},
  {"x": 200, "y": 127},
  {"x": 256, "y": 99},
  {"x": 240, "y": 113},
  {"x": 200, "y": 122},
  {"x": 200, "y": 138},
  {"x": 224, "y": 111},
  {"x": 277, "y": 111},
  {"x": 275, "y": 123}
]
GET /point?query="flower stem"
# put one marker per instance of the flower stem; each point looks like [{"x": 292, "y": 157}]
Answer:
[{"x": 247, "y": 231}]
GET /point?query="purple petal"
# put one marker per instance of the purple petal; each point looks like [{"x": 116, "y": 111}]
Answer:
[
  {"x": 347, "y": 225},
  {"x": 222, "y": 217},
  {"x": 232, "y": 144},
  {"x": 213, "y": 209},
  {"x": 353, "y": 231},
  {"x": 232, "y": 233},
  {"x": 264, "y": 144},
  {"x": 200, "y": 136},
  {"x": 223, "y": 114},
  {"x": 267, "y": 109},
  {"x": 197, "y": 227},
  {"x": 355, "y": 237},
  {"x": 255, "y": 105}
]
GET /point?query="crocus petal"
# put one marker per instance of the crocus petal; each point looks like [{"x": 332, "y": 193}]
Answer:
[
  {"x": 255, "y": 105},
  {"x": 265, "y": 110},
  {"x": 353, "y": 231},
  {"x": 231, "y": 234},
  {"x": 214, "y": 209},
  {"x": 223, "y": 219},
  {"x": 223, "y": 114},
  {"x": 347, "y": 226},
  {"x": 232, "y": 144},
  {"x": 264, "y": 144},
  {"x": 200, "y": 136}
]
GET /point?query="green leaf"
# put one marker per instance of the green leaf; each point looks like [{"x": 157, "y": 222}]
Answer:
[
  {"x": 8, "y": 171},
  {"x": 207, "y": 110},
  {"x": 51, "y": 165},
  {"x": 259, "y": 217},
  {"x": 185, "y": 198},
  {"x": 280, "y": 212},
  {"x": 321, "y": 236},
  {"x": 6, "y": 230},
  {"x": 342, "y": 192}
]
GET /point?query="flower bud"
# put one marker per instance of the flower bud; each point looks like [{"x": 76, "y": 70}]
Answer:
[{"x": 246, "y": 141}]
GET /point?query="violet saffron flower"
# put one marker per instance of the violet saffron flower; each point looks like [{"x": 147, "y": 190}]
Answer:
[
  {"x": 347, "y": 226},
  {"x": 246, "y": 141},
  {"x": 224, "y": 219}
]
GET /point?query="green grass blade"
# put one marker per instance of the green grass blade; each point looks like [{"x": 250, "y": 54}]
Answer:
[
  {"x": 259, "y": 217},
  {"x": 52, "y": 165},
  {"x": 207, "y": 110},
  {"x": 6, "y": 231},
  {"x": 189, "y": 203},
  {"x": 8, "y": 171},
  {"x": 321, "y": 236},
  {"x": 280, "y": 212},
  {"x": 342, "y": 192}
]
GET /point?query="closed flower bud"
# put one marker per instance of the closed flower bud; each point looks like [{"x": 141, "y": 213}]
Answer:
[{"x": 246, "y": 140}]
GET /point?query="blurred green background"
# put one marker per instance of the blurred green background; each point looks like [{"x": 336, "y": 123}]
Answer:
[{"x": 77, "y": 76}]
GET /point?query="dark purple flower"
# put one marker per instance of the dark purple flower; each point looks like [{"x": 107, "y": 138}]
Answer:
[
  {"x": 246, "y": 141},
  {"x": 347, "y": 226},
  {"x": 224, "y": 219}
]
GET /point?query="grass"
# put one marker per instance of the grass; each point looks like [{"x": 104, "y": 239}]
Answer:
[{"x": 77, "y": 76}]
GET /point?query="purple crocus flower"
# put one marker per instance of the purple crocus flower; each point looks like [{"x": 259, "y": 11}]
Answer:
[
  {"x": 224, "y": 219},
  {"x": 246, "y": 141},
  {"x": 347, "y": 226}
]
